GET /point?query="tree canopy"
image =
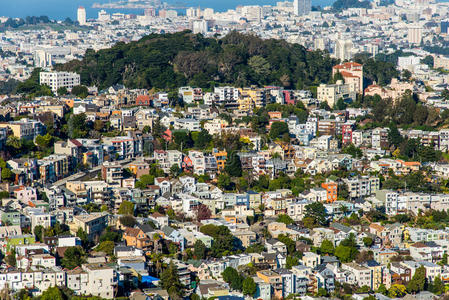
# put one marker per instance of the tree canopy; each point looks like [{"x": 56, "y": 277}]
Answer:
[
  {"x": 126, "y": 208},
  {"x": 174, "y": 60},
  {"x": 73, "y": 257},
  {"x": 170, "y": 278}
]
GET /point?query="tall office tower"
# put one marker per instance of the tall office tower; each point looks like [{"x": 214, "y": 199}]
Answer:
[
  {"x": 343, "y": 49},
  {"x": 444, "y": 26},
  {"x": 150, "y": 12},
  {"x": 414, "y": 34},
  {"x": 319, "y": 44},
  {"x": 208, "y": 13},
  {"x": 302, "y": 7},
  {"x": 253, "y": 12},
  {"x": 191, "y": 12},
  {"x": 103, "y": 16},
  {"x": 81, "y": 16},
  {"x": 42, "y": 59},
  {"x": 200, "y": 26}
]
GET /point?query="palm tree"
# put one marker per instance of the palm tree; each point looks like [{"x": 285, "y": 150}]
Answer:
[{"x": 156, "y": 260}]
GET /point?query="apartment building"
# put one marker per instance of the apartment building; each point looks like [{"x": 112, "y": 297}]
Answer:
[
  {"x": 362, "y": 274},
  {"x": 379, "y": 138},
  {"x": 296, "y": 209},
  {"x": 352, "y": 74},
  {"x": 25, "y": 128},
  {"x": 187, "y": 124},
  {"x": 93, "y": 224},
  {"x": 40, "y": 217},
  {"x": 56, "y": 80},
  {"x": 112, "y": 172},
  {"x": 331, "y": 93},
  {"x": 331, "y": 188},
  {"x": 53, "y": 167},
  {"x": 362, "y": 186},
  {"x": 228, "y": 96},
  {"x": 252, "y": 97},
  {"x": 190, "y": 95}
]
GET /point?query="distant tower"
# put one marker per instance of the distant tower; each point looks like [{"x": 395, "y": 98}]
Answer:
[
  {"x": 42, "y": 59},
  {"x": 150, "y": 12},
  {"x": 302, "y": 7},
  {"x": 343, "y": 49},
  {"x": 415, "y": 34},
  {"x": 81, "y": 16}
]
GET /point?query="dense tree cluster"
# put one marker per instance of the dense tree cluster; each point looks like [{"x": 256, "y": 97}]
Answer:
[
  {"x": 32, "y": 87},
  {"x": 442, "y": 50},
  {"x": 224, "y": 242},
  {"x": 8, "y": 87},
  {"x": 173, "y": 60},
  {"x": 415, "y": 182},
  {"x": 341, "y": 5},
  {"x": 375, "y": 69},
  {"x": 406, "y": 112},
  {"x": 239, "y": 282},
  {"x": 315, "y": 215},
  {"x": 18, "y": 22}
]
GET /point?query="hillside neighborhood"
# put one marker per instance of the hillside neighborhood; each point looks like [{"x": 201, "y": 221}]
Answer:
[{"x": 268, "y": 152}]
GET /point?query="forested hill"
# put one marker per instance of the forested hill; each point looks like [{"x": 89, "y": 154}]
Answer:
[{"x": 173, "y": 60}]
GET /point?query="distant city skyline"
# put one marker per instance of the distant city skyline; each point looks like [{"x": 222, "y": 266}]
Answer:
[{"x": 53, "y": 9}]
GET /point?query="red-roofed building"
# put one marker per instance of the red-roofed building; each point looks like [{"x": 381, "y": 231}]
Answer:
[
  {"x": 143, "y": 100},
  {"x": 352, "y": 73}
]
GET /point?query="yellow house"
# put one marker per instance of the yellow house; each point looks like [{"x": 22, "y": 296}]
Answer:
[
  {"x": 406, "y": 238},
  {"x": 376, "y": 273},
  {"x": 56, "y": 109},
  {"x": 257, "y": 95},
  {"x": 246, "y": 103},
  {"x": 220, "y": 157}
]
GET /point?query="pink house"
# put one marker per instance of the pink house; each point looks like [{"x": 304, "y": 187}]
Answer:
[{"x": 26, "y": 194}]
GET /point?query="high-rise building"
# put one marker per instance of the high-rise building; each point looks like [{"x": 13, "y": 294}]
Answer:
[
  {"x": 302, "y": 7},
  {"x": 191, "y": 12},
  {"x": 343, "y": 49},
  {"x": 320, "y": 44},
  {"x": 81, "y": 16},
  {"x": 444, "y": 26},
  {"x": 208, "y": 14},
  {"x": 200, "y": 26},
  {"x": 415, "y": 34},
  {"x": 42, "y": 59},
  {"x": 103, "y": 16},
  {"x": 253, "y": 12},
  {"x": 150, "y": 12}
]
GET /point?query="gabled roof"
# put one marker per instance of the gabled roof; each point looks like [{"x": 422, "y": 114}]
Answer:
[
  {"x": 76, "y": 143},
  {"x": 269, "y": 256},
  {"x": 146, "y": 228},
  {"x": 273, "y": 241},
  {"x": 341, "y": 227},
  {"x": 372, "y": 263},
  {"x": 167, "y": 230},
  {"x": 419, "y": 245},
  {"x": 134, "y": 232},
  {"x": 157, "y": 215}
]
